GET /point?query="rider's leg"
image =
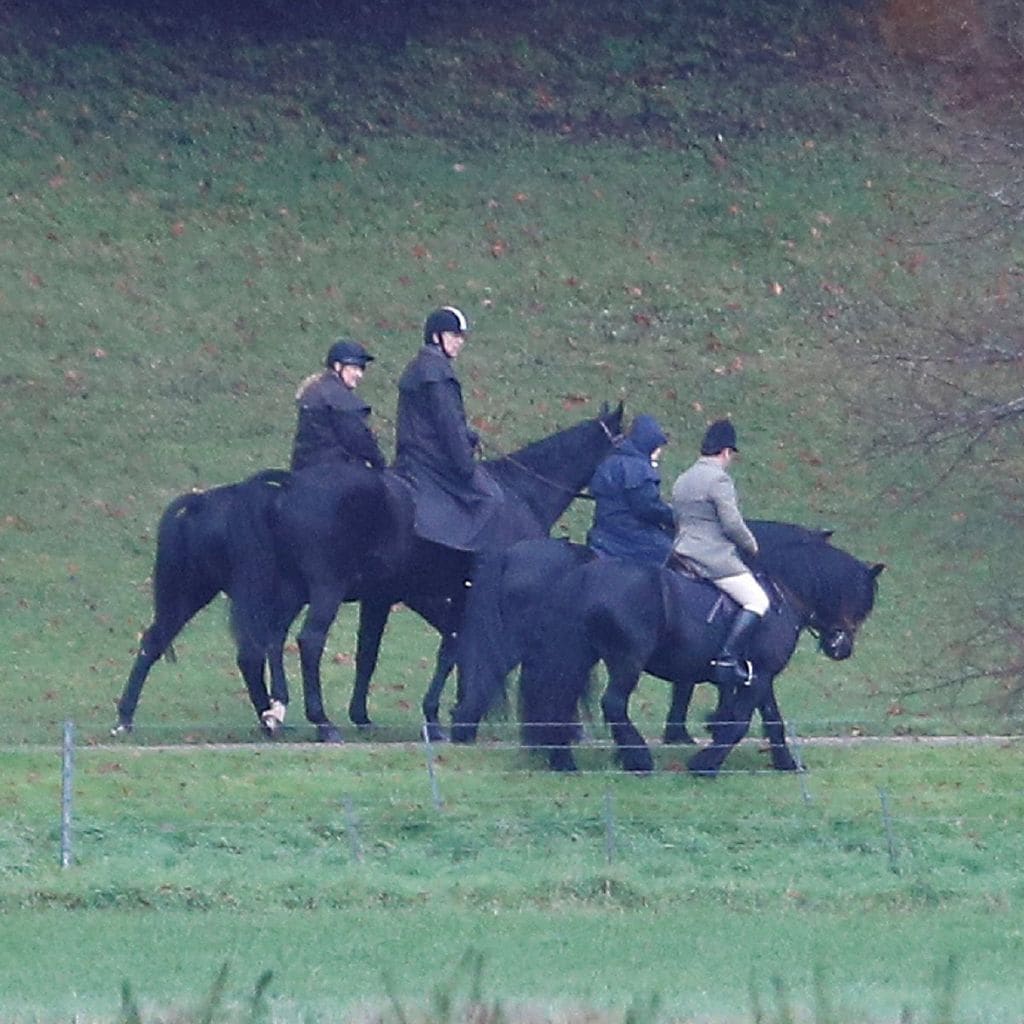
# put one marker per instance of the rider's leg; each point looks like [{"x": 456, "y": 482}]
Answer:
[{"x": 730, "y": 666}]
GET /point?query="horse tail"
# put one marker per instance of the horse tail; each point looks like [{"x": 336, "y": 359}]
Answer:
[
  {"x": 485, "y": 650},
  {"x": 556, "y": 671},
  {"x": 503, "y": 613},
  {"x": 260, "y": 577},
  {"x": 187, "y": 575}
]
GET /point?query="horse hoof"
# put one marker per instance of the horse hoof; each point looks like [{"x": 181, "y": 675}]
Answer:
[
  {"x": 462, "y": 733},
  {"x": 329, "y": 733},
  {"x": 698, "y": 765},
  {"x": 366, "y": 726},
  {"x": 122, "y": 729},
  {"x": 638, "y": 765},
  {"x": 272, "y": 720},
  {"x": 561, "y": 762},
  {"x": 435, "y": 734},
  {"x": 678, "y": 737}
]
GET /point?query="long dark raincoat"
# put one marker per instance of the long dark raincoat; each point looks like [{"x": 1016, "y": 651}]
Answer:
[{"x": 457, "y": 503}]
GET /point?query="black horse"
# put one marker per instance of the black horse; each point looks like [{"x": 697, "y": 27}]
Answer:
[
  {"x": 193, "y": 564},
  {"x": 499, "y": 623},
  {"x": 637, "y": 618},
  {"x": 278, "y": 541},
  {"x": 196, "y": 560},
  {"x": 347, "y": 536}
]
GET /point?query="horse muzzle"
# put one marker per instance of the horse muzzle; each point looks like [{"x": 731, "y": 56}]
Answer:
[{"x": 837, "y": 644}]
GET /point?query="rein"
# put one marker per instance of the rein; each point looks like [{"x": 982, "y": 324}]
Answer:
[
  {"x": 614, "y": 439},
  {"x": 810, "y": 619}
]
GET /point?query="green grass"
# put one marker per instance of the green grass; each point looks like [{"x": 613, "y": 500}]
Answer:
[
  {"x": 704, "y": 209},
  {"x": 330, "y": 965},
  {"x": 332, "y": 866}
]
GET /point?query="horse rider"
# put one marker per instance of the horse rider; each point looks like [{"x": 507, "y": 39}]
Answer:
[
  {"x": 710, "y": 532},
  {"x": 333, "y": 422},
  {"x": 630, "y": 518},
  {"x": 456, "y": 501}
]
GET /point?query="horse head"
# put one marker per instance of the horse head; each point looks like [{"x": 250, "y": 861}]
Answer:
[
  {"x": 833, "y": 591},
  {"x": 857, "y": 596}
]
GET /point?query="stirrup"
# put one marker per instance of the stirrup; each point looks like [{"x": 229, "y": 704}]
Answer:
[{"x": 742, "y": 670}]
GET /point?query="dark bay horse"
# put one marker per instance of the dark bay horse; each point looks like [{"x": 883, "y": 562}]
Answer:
[
  {"x": 279, "y": 541},
  {"x": 500, "y": 621},
  {"x": 636, "y": 618},
  {"x": 193, "y": 564}
]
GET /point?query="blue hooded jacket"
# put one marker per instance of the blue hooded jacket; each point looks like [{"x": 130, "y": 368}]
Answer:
[{"x": 630, "y": 518}]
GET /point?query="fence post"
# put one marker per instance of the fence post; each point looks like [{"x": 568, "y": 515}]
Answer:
[
  {"x": 352, "y": 828},
  {"x": 67, "y": 787},
  {"x": 435, "y": 790},
  {"x": 801, "y": 768},
  {"x": 890, "y": 838},
  {"x": 609, "y": 827}
]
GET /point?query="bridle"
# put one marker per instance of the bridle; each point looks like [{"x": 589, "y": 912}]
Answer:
[
  {"x": 614, "y": 439},
  {"x": 833, "y": 636}
]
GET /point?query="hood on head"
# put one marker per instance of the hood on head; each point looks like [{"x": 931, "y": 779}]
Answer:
[{"x": 646, "y": 434}]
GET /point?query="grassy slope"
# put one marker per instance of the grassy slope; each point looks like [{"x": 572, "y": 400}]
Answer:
[{"x": 194, "y": 210}]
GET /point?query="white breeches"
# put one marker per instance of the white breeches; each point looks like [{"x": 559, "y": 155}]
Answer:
[{"x": 746, "y": 592}]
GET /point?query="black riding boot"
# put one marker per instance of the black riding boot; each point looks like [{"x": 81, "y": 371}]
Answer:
[{"x": 730, "y": 666}]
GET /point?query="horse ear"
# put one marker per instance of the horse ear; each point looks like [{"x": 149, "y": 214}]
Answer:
[
  {"x": 876, "y": 569},
  {"x": 603, "y": 411}
]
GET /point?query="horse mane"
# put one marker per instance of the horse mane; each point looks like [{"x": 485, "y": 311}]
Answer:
[
  {"x": 565, "y": 461},
  {"x": 804, "y": 560}
]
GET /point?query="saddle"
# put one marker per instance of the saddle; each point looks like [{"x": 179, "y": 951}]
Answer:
[{"x": 723, "y": 603}]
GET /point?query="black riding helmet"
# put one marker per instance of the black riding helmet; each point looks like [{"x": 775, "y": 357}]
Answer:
[
  {"x": 721, "y": 434},
  {"x": 447, "y": 318},
  {"x": 348, "y": 353}
]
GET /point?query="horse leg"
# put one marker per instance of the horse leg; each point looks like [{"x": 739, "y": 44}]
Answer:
[
  {"x": 290, "y": 604},
  {"x": 432, "y": 698},
  {"x": 373, "y": 617},
  {"x": 156, "y": 641},
  {"x": 250, "y": 659},
  {"x": 445, "y": 615},
  {"x": 149, "y": 654},
  {"x": 272, "y": 719},
  {"x": 634, "y": 754},
  {"x": 675, "y": 723},
  {"x": 729, "y": 724},
  {"x": 775, "y": 730},
  {"x": 323, "y": 608}
]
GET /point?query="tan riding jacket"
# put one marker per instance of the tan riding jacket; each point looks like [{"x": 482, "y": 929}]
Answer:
[{"x": 709, "y": 525}]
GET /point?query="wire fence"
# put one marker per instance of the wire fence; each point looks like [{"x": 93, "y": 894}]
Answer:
[{"x": 393, "y": 789}]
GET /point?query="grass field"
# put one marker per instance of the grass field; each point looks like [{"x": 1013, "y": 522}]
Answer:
[
  {"x": 337, "y": 868},
  {"x": 776, "y": 212}
]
